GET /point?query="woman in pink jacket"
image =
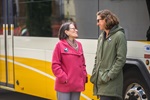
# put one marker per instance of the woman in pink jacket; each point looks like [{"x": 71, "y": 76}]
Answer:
[{"x": 68, "y": 64}]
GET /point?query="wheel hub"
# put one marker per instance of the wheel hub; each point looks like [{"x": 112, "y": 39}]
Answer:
[{"x": 135, "y": 92}]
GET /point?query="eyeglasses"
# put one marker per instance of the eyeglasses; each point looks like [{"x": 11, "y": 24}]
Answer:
[
  {"x": 99, "y": 20},
  {"x": 73, "y": 29}
]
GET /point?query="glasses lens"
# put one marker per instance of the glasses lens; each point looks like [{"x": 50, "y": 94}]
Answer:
[
  {"x": 99, "y": 20},
  {"x": 73, "y": 29}
]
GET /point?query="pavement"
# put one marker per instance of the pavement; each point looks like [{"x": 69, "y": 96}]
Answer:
[{"x": 10, "y": 95}]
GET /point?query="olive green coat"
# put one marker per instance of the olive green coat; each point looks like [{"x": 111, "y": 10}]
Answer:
[{"x": 107, "y": 75}]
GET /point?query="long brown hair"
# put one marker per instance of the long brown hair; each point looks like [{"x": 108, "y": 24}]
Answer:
[{"x": 110, "y": 18}]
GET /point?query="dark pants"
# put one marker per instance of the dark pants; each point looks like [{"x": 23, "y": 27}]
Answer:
[{"x": 108, "y": 98}]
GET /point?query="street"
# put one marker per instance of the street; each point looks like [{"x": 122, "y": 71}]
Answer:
[{"x": 10, "y": 95}]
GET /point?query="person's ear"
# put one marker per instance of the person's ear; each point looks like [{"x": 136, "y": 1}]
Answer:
[{"x": 67, "y": 32}]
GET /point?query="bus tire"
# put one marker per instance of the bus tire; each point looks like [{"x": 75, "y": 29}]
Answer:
[{"x": 135, "y": 86}]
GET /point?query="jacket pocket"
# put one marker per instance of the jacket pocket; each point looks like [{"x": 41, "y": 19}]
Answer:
[
  {"x": 93, "y": 78},
  {"x": 100, "y": 77},
  {"x": 104, "y": 77},
  {"x": 63, "y": 79}
]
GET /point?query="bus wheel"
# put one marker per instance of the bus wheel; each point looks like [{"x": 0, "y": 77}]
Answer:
[{"x": 135, "y": 87}]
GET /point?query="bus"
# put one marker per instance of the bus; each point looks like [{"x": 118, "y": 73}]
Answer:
[{"x": 28, "y": 35}]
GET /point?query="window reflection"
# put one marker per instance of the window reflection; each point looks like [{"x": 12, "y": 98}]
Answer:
[
  {"x": 21, "y": 29},
  {"x": 41, "y": 17},
  {"x": 1, "y": 27}
]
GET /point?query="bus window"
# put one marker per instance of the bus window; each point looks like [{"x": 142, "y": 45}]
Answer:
[
  {"x": 1, "y": 27},
  {"x": 32, "y": 18},
  {"x": 148, "y": 31},
  {"x": 44, "y": 17},
  {"x": 133, "y": 16}
]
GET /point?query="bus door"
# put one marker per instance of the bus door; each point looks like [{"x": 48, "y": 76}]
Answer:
[{"x": 6, "y": 45}]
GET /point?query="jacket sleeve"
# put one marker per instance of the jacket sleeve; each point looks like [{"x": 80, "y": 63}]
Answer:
[
  {"x": 56, "y": 65},
  {"x": 121, "y": 48},
  {"x": 83, "y": 63},
  {"x": 84, "y": 70},
  {"x": 84, "y": 66}
]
